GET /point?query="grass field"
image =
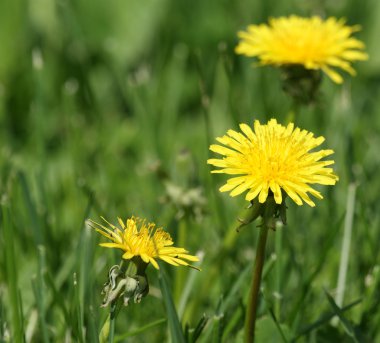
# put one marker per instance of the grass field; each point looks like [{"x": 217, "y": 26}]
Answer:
[{"x": 108, "y": 109}]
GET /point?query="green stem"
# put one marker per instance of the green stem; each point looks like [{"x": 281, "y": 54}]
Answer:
[
  {"x": 107, "y": 332},
  {"x": 278, "y": 247},
  {"x": 250, "y": 319},
  {"x": 112, "y": 316}
]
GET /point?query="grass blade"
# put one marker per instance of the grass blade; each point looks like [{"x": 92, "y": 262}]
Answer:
[
  {"x": 218, "y": 323},
  {"x": 198, "y": 329},
  {"x": 347, "y": 325},
  {"x": 39, "y": 294},
  {"x": 173, "y": 321},
  {"x": 345, "y": 252},
  {"x": 306, "y": 286},
  {"x": 78, "y": 315},
  {"x": 323, "y": 320},
  {"x": 139, "y": 330},
  {"x": 32, "y": 211},
  {"x": 278, "y": 326},
  {"x": 12, "y": 278}
]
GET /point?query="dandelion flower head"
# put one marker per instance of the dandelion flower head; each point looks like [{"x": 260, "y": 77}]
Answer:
[
  {"x": 311, "y": 42},
  {"x": 137, "y": 238},
  {"x": 272, "y": 159}
]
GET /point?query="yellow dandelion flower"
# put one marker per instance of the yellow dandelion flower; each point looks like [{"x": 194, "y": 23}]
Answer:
[
  {"x": 311, "y": 42},
  {"x": 140, "y": 239},
  {"x": 273, "y": 158}
]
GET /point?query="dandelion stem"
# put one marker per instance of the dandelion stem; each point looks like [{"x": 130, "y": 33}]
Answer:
[
  {"x": 278, "y": 266},
  {"x": 250, "y": 319}
]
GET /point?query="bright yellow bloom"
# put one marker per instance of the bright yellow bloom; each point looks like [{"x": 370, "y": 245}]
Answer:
[
  {"x": 273, "y": 158},
  {"x": 311, "y": 42},
  {"x": 138, "y": 238}
]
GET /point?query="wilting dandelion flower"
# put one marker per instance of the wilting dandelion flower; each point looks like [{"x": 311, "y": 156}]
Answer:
[
  {"x": 139, "y": 239},
  {"x": 313, "y": 43},
  {"x": 273, "y": 159}
]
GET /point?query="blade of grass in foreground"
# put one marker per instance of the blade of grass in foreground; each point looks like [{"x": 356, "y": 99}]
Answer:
[
  {"x": 269, "y": 330},
  {"x": 11, "y": 274},
  {"x": 345, "y": 251},
  {"x": 323, "y": 320},
  {"x": 235, "y": 318},
  {"x": 78, "y": 315},
  {"x": 306, "y": 286},
  {"x": 139, "y": 330},
  {"x": 229, "y": 302},
  {"x": 30, "y": 206},
  {"x": 218, "y": 323},
  {"x": 40, "y": 292},
  {"x": 193, "y": 337},
  {"x": 347, "y": 325},
  {"x": 173, "y": 321}
]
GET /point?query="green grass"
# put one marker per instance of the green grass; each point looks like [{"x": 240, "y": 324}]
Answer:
[{"x": 106, "y": 107}]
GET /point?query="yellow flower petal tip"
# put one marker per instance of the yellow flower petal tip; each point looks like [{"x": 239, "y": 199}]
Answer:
[
  {"x": 273, "y": 159},
  {"x": 137, "y": 238},
  {"x": 312, "y": 42}
]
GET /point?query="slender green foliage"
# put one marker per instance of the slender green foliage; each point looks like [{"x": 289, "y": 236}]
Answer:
[{"x": 98, "y": 103}]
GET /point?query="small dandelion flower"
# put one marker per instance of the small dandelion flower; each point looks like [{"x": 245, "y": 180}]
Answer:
[
  {"x": 137, "y": 238},
  {"x": 314, "y": 43},
  {"x": 273, "y": 159}
]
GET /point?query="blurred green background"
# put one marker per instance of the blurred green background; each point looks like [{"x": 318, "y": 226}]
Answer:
[{"x": 108, "y": 108}]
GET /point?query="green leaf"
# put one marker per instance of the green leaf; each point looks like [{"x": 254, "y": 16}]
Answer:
[
  {"x": 198, "y": 329},
  {"x": 175, "y": 328},
  {"x": 347, "y": 325},
  {"x": 323, "y": 320}
]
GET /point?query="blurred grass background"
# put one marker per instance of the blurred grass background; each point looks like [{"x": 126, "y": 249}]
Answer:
[{"x": 108, "y": 108}]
